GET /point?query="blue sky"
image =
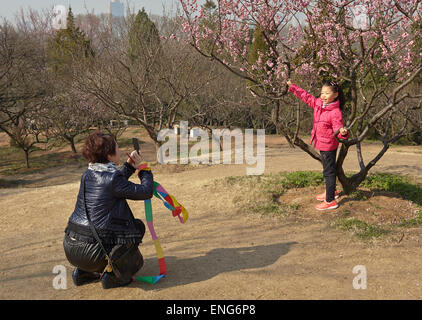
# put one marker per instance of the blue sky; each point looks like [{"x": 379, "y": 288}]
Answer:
[{"x": 8, "y": 8}]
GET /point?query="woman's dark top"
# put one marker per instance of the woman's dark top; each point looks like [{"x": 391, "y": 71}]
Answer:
[{"x": 106, "y": 191}]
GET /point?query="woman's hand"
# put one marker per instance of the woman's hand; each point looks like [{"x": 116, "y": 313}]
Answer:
[
  {"x": 343, "y": 131},
  {"x": 137, "y": 158}
]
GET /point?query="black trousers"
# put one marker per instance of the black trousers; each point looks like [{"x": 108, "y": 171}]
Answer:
[
  {"x": 89, "y": 257},
  {"x": 329, "y": 172}
]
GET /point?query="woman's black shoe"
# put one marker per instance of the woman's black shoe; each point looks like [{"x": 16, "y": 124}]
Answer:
[
  {"x": 109, "y": 281},
  {"x": 81, "y": 277}
]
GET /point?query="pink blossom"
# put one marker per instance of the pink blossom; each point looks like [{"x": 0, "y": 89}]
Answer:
[{"x": 335, "y": 41}]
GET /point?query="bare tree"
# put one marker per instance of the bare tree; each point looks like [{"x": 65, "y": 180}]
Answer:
[
  {"x": 21, "y": 86},
  {"x": 148, "y": 84}
]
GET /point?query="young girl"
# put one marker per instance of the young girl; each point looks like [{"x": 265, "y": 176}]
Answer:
[{"x": 327, "y": 120}]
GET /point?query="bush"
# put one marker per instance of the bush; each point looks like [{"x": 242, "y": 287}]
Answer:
[{"x": 411, "y": 139}]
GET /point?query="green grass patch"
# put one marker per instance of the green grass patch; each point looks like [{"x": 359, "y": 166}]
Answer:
[
  {"x": 266, "y": 190},
  {"x": 302, "y": 179},
  {"x": 15, "y": 162},
  {"x": 394, "y": 183},
  {"x": 8, "y": 151},
  {"x": 346, "y": 213},
  {"x": 359, "y": 228},
  {"x": 261, "y": 194},
  {"x": 358, "y": 195},
  {"x": 415, "y": 222},
  {"x": 268, "y": 207}
]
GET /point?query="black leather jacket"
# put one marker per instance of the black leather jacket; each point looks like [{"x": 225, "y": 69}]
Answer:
[{"x": 105, "y": 196}]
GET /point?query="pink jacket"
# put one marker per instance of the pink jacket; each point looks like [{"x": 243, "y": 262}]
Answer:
[{"x": 326, "y": 121}]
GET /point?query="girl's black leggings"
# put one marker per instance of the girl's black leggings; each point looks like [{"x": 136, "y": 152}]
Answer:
[{"x": 329, "y": 172}]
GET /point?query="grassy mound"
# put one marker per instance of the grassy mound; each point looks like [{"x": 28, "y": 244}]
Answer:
[{"x": 378, "y": 194}]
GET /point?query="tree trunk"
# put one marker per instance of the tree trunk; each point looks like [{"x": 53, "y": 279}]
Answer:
[
  {"x": 27, "y": 158},
  {"x": 72, "y": 145},
  {"x": 157, "y": 145},
  {"x": 275, "y": 117},
  {"x": 71, "y": 140},
  {"x": 350, "y": 185},
  {"x": 291, "y": 143}
]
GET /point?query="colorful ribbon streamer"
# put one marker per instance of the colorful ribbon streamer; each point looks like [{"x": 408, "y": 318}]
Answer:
[{"x": 177, "y": 209}]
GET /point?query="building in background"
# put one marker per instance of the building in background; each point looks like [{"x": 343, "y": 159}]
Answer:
[{"x": 116, "y": 8}]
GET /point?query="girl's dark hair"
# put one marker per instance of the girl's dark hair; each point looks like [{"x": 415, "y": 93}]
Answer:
[
  {"x": 98, "y": 146},
  {"x": 336, "y": 88}
]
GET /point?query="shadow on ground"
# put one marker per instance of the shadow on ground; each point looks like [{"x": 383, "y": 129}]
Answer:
[
  {"x": 43, "y": 178},
  {"x": 18, "y": 275},
  {"x": 367, "y": 195},
  {"x": 213, "y": 263}
]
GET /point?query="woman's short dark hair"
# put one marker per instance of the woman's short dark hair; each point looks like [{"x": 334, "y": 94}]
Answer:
[
  {"x": 98, "y": 146},
  {"x": 336, "y": 88}
]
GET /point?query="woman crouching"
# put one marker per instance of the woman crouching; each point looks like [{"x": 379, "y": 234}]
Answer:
[{"x": 102, "y": 224}]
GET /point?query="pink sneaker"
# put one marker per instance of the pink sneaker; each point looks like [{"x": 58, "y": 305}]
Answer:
[
  {"x": 327, "y": 205},
  {"x": 321, "y": 197}
]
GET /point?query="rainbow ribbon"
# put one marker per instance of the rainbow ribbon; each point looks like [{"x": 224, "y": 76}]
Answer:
[{"x": 177, "y": 209}]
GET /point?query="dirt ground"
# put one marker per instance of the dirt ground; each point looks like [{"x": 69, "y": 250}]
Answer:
[{"x": 219, "y": 253}]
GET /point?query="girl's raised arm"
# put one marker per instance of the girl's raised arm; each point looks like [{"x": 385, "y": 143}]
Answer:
[{"x": 309, "y": 99}]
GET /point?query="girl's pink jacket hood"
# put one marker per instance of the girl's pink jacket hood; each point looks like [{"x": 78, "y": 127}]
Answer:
[{"x": 326, "y": 121}]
